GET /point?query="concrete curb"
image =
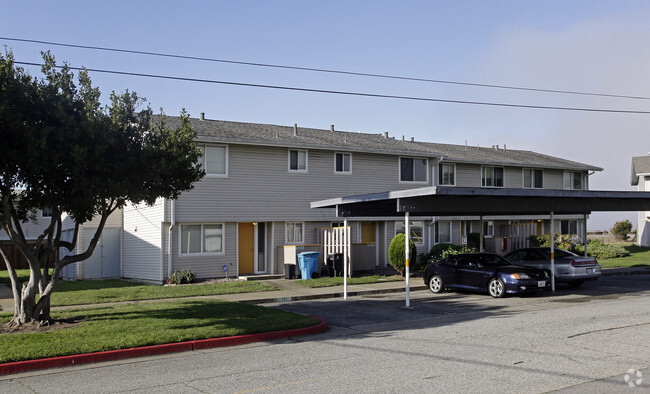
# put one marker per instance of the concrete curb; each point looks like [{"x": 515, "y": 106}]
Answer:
[{"x": 113, "y": 355}]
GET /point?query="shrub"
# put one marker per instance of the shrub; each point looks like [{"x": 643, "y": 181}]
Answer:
[
  {"x": 621, "y": 229},
  {"x": 182, "y": 277},
  {"x": 396, "y": 252},
  {"x": 562, "y": 241},
  {"x": 442, "y": 250},
  {"x": 600, "y": 250}
]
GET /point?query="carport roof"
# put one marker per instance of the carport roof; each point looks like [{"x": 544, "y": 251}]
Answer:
[{"x": 456, "y": 201}]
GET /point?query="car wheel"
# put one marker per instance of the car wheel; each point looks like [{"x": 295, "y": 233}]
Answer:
[
  {"x": 435, "y": 284},
  {"x": 496, "y": 288},
  {"x": 576, "y": 283}
]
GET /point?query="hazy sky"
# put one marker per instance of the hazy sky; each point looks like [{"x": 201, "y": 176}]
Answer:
[{"x": 587, "y": 46}]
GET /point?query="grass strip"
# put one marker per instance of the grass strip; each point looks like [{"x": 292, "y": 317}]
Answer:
[
  {"x": 135, "y": 325},
  {"x": 104, "y": 291},
  {"x": 114, "y": 290},
  {"x": 338, "y": 281}
]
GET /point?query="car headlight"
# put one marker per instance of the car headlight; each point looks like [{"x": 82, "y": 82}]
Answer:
[{"x": 519, "y": 276}]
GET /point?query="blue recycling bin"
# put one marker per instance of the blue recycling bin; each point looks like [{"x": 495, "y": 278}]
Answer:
[{"x": 308, "y": 262}]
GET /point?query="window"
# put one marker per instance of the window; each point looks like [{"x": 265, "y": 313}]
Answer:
[
  {"x": 298, "y": 160},
  {"x": 492, "y": 176},
  {"x": 447, "y": 174},
  {"x": 573, "y": 181},
  {"x": 488, "y": 228},
  {"x": 443, "y": 232},
  {"x": 214, "y": 159},
  {"x": 46, "y": 212},
  {"x": 337, "y": 224},
  {"x": 342, "y": 163},
  {"x": 416, "y": 227},
  {"x": 201, "y": 238},
  {"x": 412, "y": 170},
  {"x": 295, "y": 233},
  {"x": 533, "y": 178},
  {"x": 568, "y": 227}
]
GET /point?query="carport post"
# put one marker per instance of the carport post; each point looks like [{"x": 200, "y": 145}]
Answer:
[
  {"x": 480, "y": 248},
  {"x": 345, "y": 258},
  {"x": 407, "y": 252},
  {"x": 585, "y": 240},
  {"x": 552, "y": 254}
]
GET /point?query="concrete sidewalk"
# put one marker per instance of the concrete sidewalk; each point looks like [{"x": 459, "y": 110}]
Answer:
[{"x": 290, "y": 290}]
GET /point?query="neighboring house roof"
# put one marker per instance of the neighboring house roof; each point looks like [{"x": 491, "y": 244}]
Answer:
[
  {"x": 299, "y": 137},
  {"x": 640, "y": 166}
]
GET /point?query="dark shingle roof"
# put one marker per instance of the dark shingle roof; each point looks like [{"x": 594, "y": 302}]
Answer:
[
  {"x": 640, "y": 165},
  {"x": 273, "y": 135}
]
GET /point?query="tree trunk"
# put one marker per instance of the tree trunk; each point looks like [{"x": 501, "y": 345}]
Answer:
[{"x": 28, "y": 311}]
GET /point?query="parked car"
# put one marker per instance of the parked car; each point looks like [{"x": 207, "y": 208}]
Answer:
[
  {"x": 569, "y": 267},
  {"x": 483, "y": 272}
]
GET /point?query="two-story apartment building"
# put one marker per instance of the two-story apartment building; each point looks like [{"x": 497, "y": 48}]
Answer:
[{"x": 252, "y": 209}]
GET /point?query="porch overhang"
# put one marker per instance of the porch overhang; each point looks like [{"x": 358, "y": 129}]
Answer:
[{"x": 455, "y": 201}]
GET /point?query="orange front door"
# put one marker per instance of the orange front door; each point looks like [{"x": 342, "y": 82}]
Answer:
[{"x": 246, "y": 247}]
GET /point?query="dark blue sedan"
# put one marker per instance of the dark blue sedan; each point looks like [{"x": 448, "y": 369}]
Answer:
[{"x": 484, "y": 272}]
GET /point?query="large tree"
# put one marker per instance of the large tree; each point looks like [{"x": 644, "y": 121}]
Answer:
[{"x": 61, "y": 150}]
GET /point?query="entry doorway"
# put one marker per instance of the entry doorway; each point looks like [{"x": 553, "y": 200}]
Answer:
[
  {"x": 246, "y": 248},
  {"x": 251, "y": 248}
]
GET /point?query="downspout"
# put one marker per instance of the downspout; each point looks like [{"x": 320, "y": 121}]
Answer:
[{"x": 169, "y": 239}]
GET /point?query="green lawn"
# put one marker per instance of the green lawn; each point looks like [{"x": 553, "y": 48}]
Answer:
[
  {"x": 143, "y": 324},
  {"x": 338, "y": 281},
  {"x": 639, "y": 257},
  {"x": 114, "y": 290}
]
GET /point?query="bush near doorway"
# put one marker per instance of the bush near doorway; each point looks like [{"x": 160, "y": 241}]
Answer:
[{"x": 396, "y": 252}]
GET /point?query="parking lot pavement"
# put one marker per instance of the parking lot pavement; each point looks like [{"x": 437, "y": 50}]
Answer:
[{"x": 371, "y": 311}]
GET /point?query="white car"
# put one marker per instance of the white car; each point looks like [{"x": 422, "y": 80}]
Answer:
[{"x": 569, "y": 267}]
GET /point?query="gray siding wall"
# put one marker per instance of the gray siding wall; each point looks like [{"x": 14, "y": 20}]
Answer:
[
  {"x": 259, "y": 186},
  {"x": 142, "y": 242}
]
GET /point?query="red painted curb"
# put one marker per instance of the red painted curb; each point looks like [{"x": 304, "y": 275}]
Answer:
[{"x": 113, "y": 355}]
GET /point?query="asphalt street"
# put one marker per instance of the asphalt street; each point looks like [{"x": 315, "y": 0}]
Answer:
[{"x": 573, "y": 341}]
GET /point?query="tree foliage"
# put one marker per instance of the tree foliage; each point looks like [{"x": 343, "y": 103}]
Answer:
[
  {"x": 622, "y": 229},
  {"x": 63, "y": 151}
]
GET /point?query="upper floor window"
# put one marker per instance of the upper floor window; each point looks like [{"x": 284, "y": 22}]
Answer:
[
  {"x": 214, "y": 159},
  {"x": 491, "y": 176},
  {"x": 295, "y": 232},
  {"x": 533, "y": 178},
  {"x": 412, "y": 169},
  {"x": 416, "y": 228},
  {"x": 201, "y": 238},
  {"x": 343, "y": 163},
  {"x": 298, "y": 160},
  {"x": 447, "y": 174},
  {"x": 573, "y": 180},
  {"x": 46, "y": 212}
]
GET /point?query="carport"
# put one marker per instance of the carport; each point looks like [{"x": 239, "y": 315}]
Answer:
[{"x": 482, "y": 202}]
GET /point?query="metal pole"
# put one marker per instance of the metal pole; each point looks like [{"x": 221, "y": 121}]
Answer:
[
  {"x": 585, "y": 240},
  {"x": 480, "y": 248},
  {"x": 407, "y": 252},
  {"x": 552, "y": 254},
  {"x": 345, "y": 258}
]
